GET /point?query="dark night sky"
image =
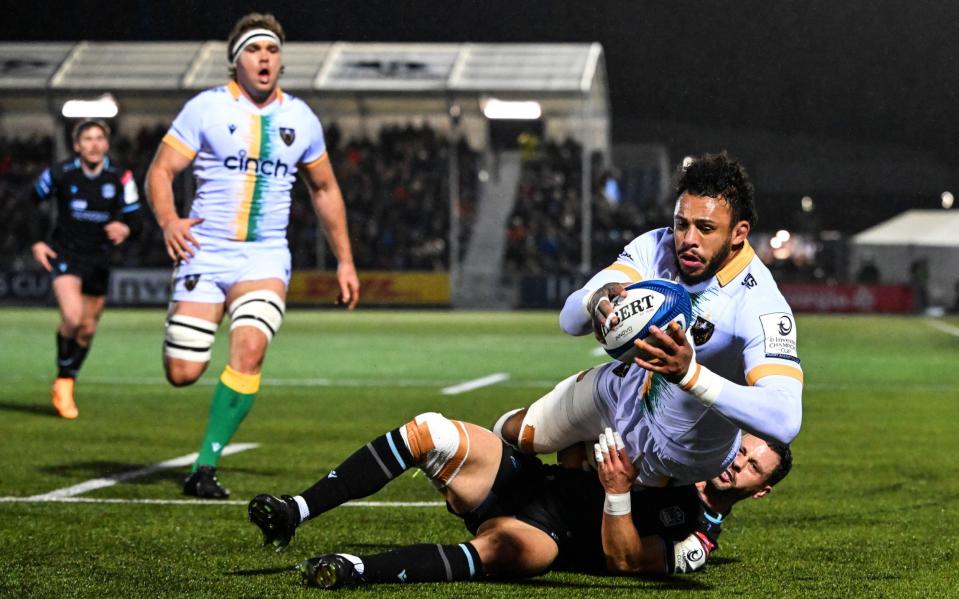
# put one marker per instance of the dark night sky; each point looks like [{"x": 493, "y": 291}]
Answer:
[{"x": 873, "y": 71}]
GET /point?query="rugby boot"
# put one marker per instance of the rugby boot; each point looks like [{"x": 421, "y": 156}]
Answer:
[
  {"x": 61, "y": 395},
  {"x": 203, "y": 484},
  {"x": 277, "y": 518},
  {"x": 330, "y": 571}
]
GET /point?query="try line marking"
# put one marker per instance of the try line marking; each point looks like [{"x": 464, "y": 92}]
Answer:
[
  {"x": 109, "y": 481},
  {"x": 944, "y": 327},
  {"x": 485, "y": 381},
  {"x": 101, "y": 500}
]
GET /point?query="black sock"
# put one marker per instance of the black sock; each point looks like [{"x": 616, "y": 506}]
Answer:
[
  {"x": 79, "y": 355},
  {"x": 423, "y": 563},
  {"x": 362, "y": 474},
  {"x": 66, "y": 351},
  {"x": 70, "y": 356}
]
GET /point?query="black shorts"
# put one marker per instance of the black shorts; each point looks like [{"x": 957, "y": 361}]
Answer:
[
  {"x": 565, "y": 504},
  {"x": 94, "y": 271}
]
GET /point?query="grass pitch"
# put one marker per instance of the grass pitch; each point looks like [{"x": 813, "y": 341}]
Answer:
[{"x": 870, "y": 509}]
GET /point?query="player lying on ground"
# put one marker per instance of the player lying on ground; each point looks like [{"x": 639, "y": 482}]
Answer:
[
  {"x": 681, "y": 413},
  {"x": 527, "y": 517}
]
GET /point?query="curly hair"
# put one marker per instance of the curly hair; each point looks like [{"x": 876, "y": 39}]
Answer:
[
  {"x": 717, "y": 175},
  {"x": 254, "y": 20}
]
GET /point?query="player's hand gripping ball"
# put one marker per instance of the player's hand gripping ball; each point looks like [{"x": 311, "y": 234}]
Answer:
[{"x": 647, "y": 303}]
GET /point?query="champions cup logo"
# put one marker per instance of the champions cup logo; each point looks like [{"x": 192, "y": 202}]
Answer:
[
  {"x": 785, "y": 326},
  {"x": 273, "y": 168}
]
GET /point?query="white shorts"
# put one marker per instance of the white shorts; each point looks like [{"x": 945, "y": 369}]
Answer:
[
  {"x": 219, "y": 265},
  {"x": 573, "y": 413},
  {"x": 563, "y": 417}
]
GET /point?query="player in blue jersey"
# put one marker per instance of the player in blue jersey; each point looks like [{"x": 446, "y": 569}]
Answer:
[
  {"x": 681, "y": 413},
  {"x": 98, "y": 208},
  {"x": 247, "y": 141},
  {"x": 526, "y": 517}
]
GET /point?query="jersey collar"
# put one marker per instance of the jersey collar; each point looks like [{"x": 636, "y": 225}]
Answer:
[
  {"x": 736, "y": 265},
  {"x": 234, "y": 88}
]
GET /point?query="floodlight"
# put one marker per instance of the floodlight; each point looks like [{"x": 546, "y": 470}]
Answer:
[
  {"x": 104, "y": 107},
  {"x": 514, "y": 110}
]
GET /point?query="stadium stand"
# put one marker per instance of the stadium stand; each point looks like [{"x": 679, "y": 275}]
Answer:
[{"x": 397, "y": 198}]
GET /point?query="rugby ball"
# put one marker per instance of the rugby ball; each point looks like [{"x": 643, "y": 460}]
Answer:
[{"x": 654, "y": 302}]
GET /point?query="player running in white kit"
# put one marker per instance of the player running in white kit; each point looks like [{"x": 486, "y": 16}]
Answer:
[
  {"x": 246, "y": 140},
  {"x": 680, "y": 414}
]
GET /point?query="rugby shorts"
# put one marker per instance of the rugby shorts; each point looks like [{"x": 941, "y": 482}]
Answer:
[
  {"x": 94, "y": 271},
  {"x": 218, "y": 265}
]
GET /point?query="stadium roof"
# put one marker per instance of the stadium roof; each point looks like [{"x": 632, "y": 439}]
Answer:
[
  {"x": 348, "y": 67},
  {"x": 934, "y": 228}
]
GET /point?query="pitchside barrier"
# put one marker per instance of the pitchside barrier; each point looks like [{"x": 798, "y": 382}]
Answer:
[{"x": 151, "y": 287}]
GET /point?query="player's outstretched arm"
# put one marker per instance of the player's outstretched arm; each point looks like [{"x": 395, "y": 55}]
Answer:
[
  {"x": 167, "y": 164},
  {"x": 331, "y": 211},
  {"x": 770, "y": 408}
]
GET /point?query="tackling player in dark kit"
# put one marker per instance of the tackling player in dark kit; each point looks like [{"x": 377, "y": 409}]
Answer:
[
  {"x": 98, "y": 208},
  {"x": 527, "y": 517}
]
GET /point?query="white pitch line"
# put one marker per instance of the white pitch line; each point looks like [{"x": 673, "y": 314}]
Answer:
[
  {"x": 392, "y": 383},
  {"x": 107, "y": 500},
  {"x": 944, "y": 327},
  {"x": 475, "y": 384},
  {"x": 109, "y": 481}
]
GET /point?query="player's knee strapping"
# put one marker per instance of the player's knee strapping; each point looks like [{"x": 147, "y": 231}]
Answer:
[
  {"x": 262, "y": 309},
  {"x": 189, "y": 338},
  {"x": 439, "y": 446}
]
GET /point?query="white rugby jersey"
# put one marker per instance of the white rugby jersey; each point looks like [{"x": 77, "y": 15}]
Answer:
[
  {"x": 743, "y": 330},
  {"x": 245, "y": 160}
]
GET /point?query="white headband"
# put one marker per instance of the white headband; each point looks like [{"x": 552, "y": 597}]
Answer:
[{"x": 248, "y": 37}]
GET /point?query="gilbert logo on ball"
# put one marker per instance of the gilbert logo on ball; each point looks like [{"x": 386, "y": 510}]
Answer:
[{"x": 654, "y": 302}]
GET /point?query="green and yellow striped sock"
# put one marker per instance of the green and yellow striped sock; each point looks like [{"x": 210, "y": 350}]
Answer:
[{"x": 232, "y": 399}]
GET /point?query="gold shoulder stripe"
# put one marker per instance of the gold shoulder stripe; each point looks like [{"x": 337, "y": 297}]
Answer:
[
  {"x": 773, "y": 370},
  {"x": 736, "y": 265},
  {"x": 234, "y": 88},
  {"x": 324, "y": 156},
  {"x": 629, "y": 271},
  {"x": 181, "y": 148}
]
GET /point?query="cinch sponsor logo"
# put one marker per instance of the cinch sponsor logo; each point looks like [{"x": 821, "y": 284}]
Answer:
[{"x": 274, "y": 168}]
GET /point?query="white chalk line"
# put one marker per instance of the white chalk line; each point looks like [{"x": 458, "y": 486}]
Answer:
[
  {"x": 306, "y": 382},
  {"x": 486, "y": 381},
  {"x": 109, "y": 481},
  {"x": 414, "y": 383},
  {"x": 944, "y": 327},
  {"x": 231, "y": 502}
]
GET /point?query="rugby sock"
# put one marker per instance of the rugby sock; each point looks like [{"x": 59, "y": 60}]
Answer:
[
  {"x": 423, "y": 563},
  {"x": 362, "y": 474},
  {"x": 70, "y": 356},
  {"x": 79, "y": 355},
  {"x": 66, "y": 349},
  {"x": 232, "y": 399}
]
